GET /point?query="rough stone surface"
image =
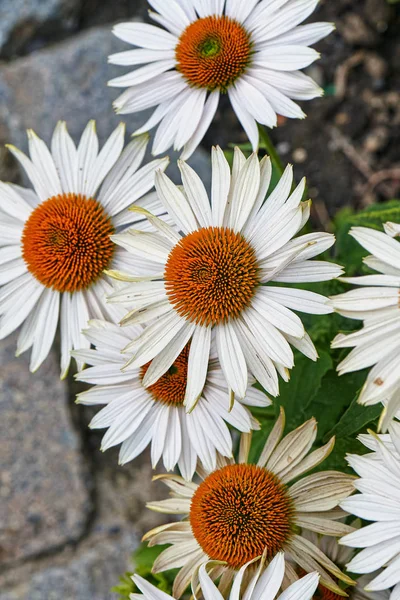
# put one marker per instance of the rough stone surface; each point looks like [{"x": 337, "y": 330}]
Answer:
[
  {"x": 21, "y": 21},
  {"x": 69, "y": 82},
  {"x": 43, "y": 485},
  {"x": 66, "y": 533},
  {"x": 90, "y": 575}
]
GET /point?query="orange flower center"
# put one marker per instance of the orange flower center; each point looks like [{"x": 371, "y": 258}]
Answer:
[
  {"x": 240, "y": 510},
  {"x": 324, "y": 594},
  {"x": 213, "y": 52},
  {"x": 66, "y": 242},
  {"x": 211, "y": 275},
  {"x": 171, "y": 387}
]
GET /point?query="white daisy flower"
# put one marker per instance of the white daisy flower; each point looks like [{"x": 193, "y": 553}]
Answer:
[
  {"x": 55, "y": 239},
  {"x": 138, "y": 416},
  {"x": 341, "y": 555},
  {"x": 253, "y": 51},
  {"x": 376, "y": 303},
  {"x": 379, "y": 502},
  {"x": 243, "y": 510},
  {"x": 266, "y": 583},
  {"x": 217, "y": 275}
]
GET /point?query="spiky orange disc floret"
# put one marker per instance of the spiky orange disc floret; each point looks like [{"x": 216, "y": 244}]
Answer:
[
  {"x": 66, "y": 242},
  {"x": 213, "y": 52},
  {"x": 211, "y": 275},
  {"x": 323, "y": 593},
  {"x": 171, "y": 387},
  {"x": 238, "y": 512}
]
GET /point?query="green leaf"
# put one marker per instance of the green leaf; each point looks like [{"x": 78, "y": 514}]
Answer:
[
  {"x": 332, "y": 400},
  {"x": 348, "y": 250},
  {"x": 336, "y": 461},
  {"x": 143, "y": 560},
  {"x": 305, "y": 381},
  {"x": 355, "y": 419}
]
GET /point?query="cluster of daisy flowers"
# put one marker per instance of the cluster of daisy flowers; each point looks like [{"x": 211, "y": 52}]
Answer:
[{"x": 180, "y": 308}]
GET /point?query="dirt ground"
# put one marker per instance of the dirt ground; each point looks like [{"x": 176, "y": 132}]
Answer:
[{"x": 349, "y": 145}]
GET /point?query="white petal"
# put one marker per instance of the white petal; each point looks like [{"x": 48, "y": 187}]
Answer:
[
  {"x": 285, "y": 57},
  {"x": 65, "y": 157},
  {"x": 379, "y": 244},
  {"x": 199, "y": 356},
  {"x": 279, "y": 316},
  {"x": 248, "y": 122},
  {"x": 303, "y": 589},
  {"x": 239, "y": 10},
  {"x": 221, "y": 181},
  {"x": 105, "y": 160},
  {"x": 176, "y": 203},
  {"x": 47, "y": 311},
  {"x": 232, "y": 359},
  {"x": 127, "y": 164},
  {"x": 87, "y": 153},
  {"x": 255, "y": 102},
  {"x": 244, "y": 193},
  {"x": 163, "y": 361},
  {"x": 174, "y": 18},
  {"x": 145, "y": 36},
  {"x": 309, "y": 271},
  {"x": 210, "y": 591},
  {"x": 258, "y": 358},
  {"x": 151, "y": 93},
  {"x": 196, "y": 194},
  {"x": 188, "y": 458},
  {"x": 300, "y": 300},
  {"x": 210, "y": 108},
  {"x": 140, "y": 56},
  {"x": 42, "y": 159},
  {"x": 142, "y": 74}
]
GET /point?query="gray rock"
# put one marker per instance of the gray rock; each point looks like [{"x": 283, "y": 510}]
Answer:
[
  {"x": 89, "y": 576},
  {"x": 43, "y": 487},
  {"x": 23, "y": 20},
  {"x": 69, "y": 82}
]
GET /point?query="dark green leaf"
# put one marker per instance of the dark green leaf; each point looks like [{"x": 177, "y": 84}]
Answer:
[
  {"x": 355, "y": 419},
  {"x": 305, "y": 382},
  {"x": 143, "y": 560}
]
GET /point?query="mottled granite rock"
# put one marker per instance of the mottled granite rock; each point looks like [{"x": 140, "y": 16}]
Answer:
[
  {"x": 69, "y": 82},
  {"x": 21, "y": 21},
  {"x": 44, "y": 495},
  {"x": 90, "y": 575}
]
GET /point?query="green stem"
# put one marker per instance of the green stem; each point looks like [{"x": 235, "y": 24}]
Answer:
[{"x": 276, "y": 161}]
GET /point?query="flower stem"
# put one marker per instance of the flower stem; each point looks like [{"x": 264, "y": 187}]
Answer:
[{"x": 269, "y": 146}]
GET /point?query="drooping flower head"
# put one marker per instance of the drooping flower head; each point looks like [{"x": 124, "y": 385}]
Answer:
[
  {"x": 215, "y": 276},
  {"x": 266, "y": 583},
  {"x": 378, "y": 502},
  {"x": 252, "y": 50},
  {"x": 55, "y": 239},
  {"x": 137, "y": 416},
  {"x": 242, "y": 510},
  {"x": 376, "y": 303}
]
